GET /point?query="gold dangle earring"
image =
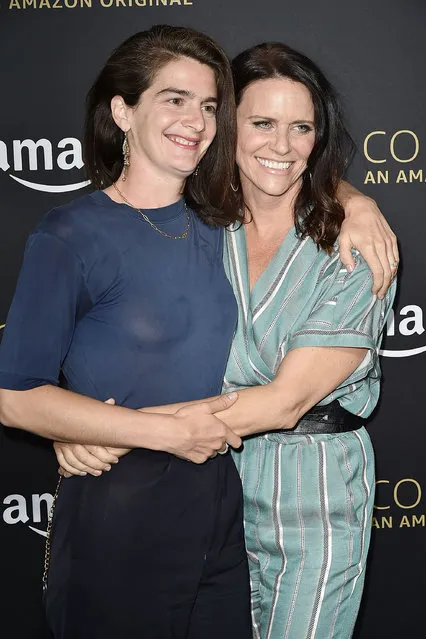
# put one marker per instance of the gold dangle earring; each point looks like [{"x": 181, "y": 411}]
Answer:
[
  {"x": 235, "y": 188},
  {"x": 126, "y": 157}
]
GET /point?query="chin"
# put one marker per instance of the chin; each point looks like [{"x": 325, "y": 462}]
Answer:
[
  {"x": 274, "y": 189},
  {"x": 182, "y": 167}
]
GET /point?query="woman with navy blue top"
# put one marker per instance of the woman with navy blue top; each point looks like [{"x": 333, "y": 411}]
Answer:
[{"x": 123, "y": 293}]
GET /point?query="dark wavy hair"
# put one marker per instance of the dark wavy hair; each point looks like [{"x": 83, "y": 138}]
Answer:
[
  {"x": 317, "y": 212},
  {"x": 129, "y": 71}
]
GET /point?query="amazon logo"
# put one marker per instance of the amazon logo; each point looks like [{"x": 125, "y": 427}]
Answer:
[
  {"x": 407, "y": 323},
  {"x": 39, "y": 157},
  {"x": 32, "y": 512}
]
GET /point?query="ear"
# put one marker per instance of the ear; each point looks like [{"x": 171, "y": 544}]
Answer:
[{"x": 120, "y": 112}]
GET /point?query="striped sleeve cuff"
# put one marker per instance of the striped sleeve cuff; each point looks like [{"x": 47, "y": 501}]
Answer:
[{"x": 343, "y": 337}]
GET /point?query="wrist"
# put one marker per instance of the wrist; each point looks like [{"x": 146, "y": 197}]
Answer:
[
  {"x": 163, "y": 433},
  {"x": 357, "y": 204}
]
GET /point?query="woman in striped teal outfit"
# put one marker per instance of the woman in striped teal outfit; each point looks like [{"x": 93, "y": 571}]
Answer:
[
  {"x": 305, "y": 351},
  {"x": 304, "y": 357}
]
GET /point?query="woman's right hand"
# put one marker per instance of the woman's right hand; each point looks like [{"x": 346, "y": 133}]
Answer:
[{"x": 197, "y": 434}]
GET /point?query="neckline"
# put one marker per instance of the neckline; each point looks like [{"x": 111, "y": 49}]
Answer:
[
  {"x": 272, "y": 269},
  {"x": 160, "y": 215}
]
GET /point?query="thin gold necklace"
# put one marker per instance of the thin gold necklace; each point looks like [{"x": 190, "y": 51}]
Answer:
[{"x": 146, "y": 218}]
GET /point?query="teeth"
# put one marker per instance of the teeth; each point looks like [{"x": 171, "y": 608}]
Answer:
[
  {"x": 176, "y": 138},
  {"x": 270, "y": 164}
]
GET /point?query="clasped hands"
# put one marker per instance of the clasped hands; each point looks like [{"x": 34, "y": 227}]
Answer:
[{"x": 198, "y": 435}]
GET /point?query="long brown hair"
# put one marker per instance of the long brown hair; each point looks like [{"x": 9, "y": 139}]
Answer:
[
  {"x": 317, "y": 212},
  {"x": 128, "y": 72}
]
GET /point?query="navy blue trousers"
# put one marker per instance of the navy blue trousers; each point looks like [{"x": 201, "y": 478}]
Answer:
[{"x": 154, "y": 549}]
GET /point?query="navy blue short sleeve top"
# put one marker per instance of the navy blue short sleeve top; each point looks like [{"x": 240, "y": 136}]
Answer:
[{"x": 108, "y": 307}]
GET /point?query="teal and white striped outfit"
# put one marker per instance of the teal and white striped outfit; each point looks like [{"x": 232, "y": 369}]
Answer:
[{"x": 308, "y": 499}]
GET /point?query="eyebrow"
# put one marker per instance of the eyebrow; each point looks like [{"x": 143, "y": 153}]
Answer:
[
  {"x": 265, "y": 117},
  {"x": 184, "y": 93}
]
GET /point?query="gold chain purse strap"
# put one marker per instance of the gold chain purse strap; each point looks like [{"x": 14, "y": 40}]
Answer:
[{"x": 48, "y": 535}]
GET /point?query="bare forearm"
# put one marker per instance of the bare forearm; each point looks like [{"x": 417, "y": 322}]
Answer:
[
  {"x": 305, "y": 377},
  {"x": 171, "y": 409},
  {"x": 59, "y": 414},
  {"x": 260, "y": 409},
  {"x": 346, "y": 191}
]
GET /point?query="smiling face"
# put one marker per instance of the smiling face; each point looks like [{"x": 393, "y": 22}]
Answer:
[
  {"x": 174, "y": 122},
  {"x": 276, "y": 135}
]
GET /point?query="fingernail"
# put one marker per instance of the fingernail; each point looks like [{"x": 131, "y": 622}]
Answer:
[
  {"x": 349, "y": 267},
  {"x": 82, "y": 474},
  {"x": 108, "y": 467},
  {"x": 97, "y": 473},
  {"x": 231, "y": 396}
]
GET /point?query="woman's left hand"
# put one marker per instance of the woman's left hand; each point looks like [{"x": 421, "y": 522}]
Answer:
[
  {"x": 79, "y": 459},
  {"x": 366, "y": 229}
]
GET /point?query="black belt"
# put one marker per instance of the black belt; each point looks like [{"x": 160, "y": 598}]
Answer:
[{"x": 328, "y": 419}]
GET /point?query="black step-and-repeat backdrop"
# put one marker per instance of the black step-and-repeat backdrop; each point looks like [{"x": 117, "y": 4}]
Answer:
[{"x": 374, "y": 51}]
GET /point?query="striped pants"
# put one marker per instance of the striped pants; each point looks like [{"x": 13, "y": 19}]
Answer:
[{"x": 308, "y": 502}]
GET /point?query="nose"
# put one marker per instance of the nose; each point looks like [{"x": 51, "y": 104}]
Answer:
[
  {"x": 281, "y": 142},
  {"x": 194, "y": 119}
]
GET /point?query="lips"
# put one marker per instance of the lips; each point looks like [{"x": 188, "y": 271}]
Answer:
[
  {"x": 184, "y": 143},
  {"x": 274, "y": 164}
]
